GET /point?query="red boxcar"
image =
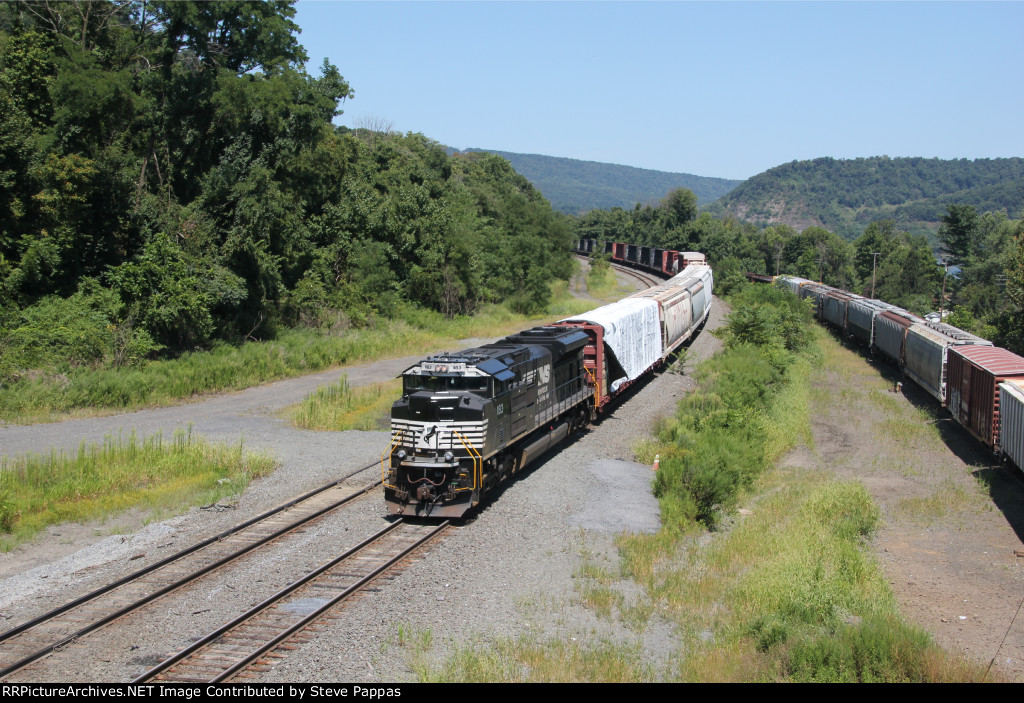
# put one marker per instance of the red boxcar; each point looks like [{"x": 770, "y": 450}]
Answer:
[{"x": 973, "y": 377}]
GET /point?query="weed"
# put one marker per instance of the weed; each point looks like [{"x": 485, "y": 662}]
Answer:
[
  {"x": 602, "y": 599},
  {"x": 948, "y": 499},
  {"x": 339, "y": 407},
  {"x": 878, "y": 649},
  {"x": 97, "y": 481},
  {"x": 553, "y": 660}
]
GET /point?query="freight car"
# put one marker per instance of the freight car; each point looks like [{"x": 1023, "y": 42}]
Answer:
[
  {"x": 981, "y": 385},
  {"x": 668, "y": 262},
  {"x": 467, "y": 421}
]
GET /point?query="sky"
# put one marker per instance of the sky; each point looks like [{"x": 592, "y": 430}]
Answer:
[{"x": 723, "y": 89}]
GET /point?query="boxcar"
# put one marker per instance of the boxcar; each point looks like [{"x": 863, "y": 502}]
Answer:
[
  {"x": 974, "y": 374},
  {"x": 926, "y": 352},
  {"x": 891, "y": 332},
  {"x": 836, "y": 303},
  {"x": 860, "y": 318}
]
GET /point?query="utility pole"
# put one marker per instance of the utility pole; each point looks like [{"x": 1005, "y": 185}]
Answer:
[{"x": 874, "y": 263}]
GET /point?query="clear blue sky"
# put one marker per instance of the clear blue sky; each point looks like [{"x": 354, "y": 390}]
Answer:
[{"x": 725, "y": 89}]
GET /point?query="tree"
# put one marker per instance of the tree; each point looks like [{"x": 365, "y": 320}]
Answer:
[
  {"x": 822, "y": 256},
  {"x": 1011, "y": 320},
  {"x": 680, "y": 206},
  {"x": 880, "y": 237},
  {"x": 957, "y": 231},
  {"x": 772, "y": 243},
  {"x": 909, "y": 276}
]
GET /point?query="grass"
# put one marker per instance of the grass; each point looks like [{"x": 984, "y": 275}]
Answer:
[
  {"x": 46, "y": 397},
  {"x": 534, "y": 660},
  {"x": 41, "y": 490},
  {"x": 786, "y": 589},
  {"x": 338, "y": 407},
  {"x": 603, "y": 284},
  {"x": 949, "y": 499},
  {"x": 594, "y": 588}
]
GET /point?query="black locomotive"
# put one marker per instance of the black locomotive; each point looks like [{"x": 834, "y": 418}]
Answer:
[{"x": 468, "y": 420}]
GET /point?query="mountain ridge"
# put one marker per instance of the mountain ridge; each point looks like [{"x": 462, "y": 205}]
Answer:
[{"x": 574, "y": 186}]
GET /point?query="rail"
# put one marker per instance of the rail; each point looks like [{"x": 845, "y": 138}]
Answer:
[
  {"x": 32, "y": 640},
  {"x": 233, "y": 646}
]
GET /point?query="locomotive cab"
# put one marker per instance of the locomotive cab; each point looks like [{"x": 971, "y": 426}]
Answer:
[{"x": 438, "y": 427}]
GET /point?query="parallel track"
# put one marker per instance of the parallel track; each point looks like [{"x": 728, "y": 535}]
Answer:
[
  {"x": 231, "y": 648},
  {"x": 648, "y": 279},
  {"x": 24, "y": 644}
]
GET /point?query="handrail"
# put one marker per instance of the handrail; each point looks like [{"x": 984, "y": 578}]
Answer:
[
  {"x": 478, "y": 463},
  {"x": 388, "y": 451},
  {"x": 597, "y": 387}
]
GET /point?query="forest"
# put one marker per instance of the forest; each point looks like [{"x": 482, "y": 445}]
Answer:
[
  {"x": 976, "y": 273},
  {"x": 846, "y": 195},
  {"x": 170, "y": 179},
  {"x": 574, "y": 186}
]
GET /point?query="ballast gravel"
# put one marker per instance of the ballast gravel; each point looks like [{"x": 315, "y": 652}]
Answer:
[{"x": 511, "y": 571}]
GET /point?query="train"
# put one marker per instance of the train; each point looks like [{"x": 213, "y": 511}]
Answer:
[
  {"x": 667, "y": 262},
  {"x": 981, "y": 385},
  {"x": 469, "y": 420}
]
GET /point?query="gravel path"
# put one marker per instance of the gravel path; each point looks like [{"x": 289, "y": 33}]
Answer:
[{"x": 507, "y": 572}]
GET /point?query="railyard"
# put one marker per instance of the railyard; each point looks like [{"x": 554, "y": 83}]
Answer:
[{"x": 514, "y": 571}]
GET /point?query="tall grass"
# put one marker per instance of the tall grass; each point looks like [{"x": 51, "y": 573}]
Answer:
[
  {"x": 602, "y": 283},
  {"x": 45, "y": 397},
  {"x": 793, "y": 593},
  {"x": 96, "y": 481},
  {"x": 338, "y": 407},
  {"x": 531, "y": 660}
]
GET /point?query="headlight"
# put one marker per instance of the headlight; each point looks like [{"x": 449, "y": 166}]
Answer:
[
  {"x": 448, "y": 456},
  {"x": 401, "y": 455}
]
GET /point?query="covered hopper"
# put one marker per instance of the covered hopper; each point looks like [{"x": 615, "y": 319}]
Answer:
[{"x": 632, "y": 331}]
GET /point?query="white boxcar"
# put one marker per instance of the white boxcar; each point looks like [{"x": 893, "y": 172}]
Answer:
[{"x": 1011, "y": 421}]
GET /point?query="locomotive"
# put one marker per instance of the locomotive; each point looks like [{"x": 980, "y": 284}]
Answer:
[{"x": 468, "y": 420}]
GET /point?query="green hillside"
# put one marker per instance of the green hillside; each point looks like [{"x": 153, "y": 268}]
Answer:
[
  {"x": 573, "y": 186},
  {"x": 845, "y": 195},
  {"x": 171, "y": 181}
]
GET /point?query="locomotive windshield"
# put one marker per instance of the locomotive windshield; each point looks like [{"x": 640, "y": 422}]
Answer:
[{"x": 471, "y": 384}]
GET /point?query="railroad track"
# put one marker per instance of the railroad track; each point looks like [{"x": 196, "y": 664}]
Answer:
[
  {"x": 648, "y": 279},
  {"x": 32, "y": 640},
  {"x": 231, "y": 648}
]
